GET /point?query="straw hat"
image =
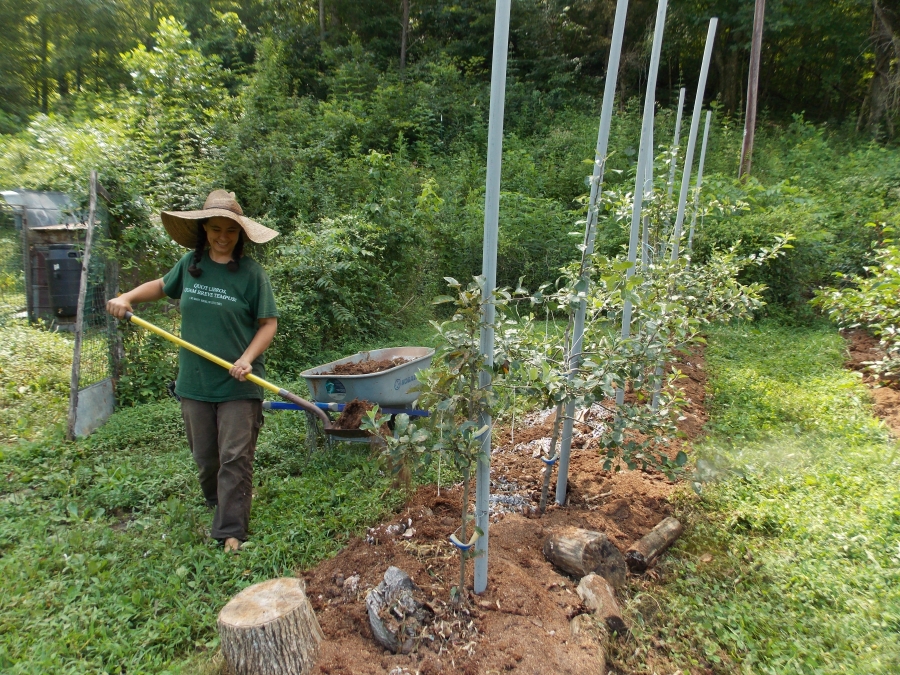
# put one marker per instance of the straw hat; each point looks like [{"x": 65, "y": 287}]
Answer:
[{"x": 182, "y": 225}]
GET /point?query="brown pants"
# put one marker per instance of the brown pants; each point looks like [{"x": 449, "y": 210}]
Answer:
[{"x": 222, "y": 437}]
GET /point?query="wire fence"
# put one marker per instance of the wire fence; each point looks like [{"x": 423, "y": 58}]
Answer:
[{"x": 12, "y": 271}]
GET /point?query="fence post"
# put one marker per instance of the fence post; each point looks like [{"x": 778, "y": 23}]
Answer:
[{"x": 79, "y": 317}]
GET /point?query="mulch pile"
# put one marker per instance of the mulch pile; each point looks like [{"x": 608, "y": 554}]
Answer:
[
  {"x": 366, "y": 367},
  {"x": 352, "y": 414},
  {"x": 863, "y": 348},
  {"x": 522, "y": 621}
]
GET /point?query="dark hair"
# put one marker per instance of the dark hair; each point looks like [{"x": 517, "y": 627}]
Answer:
[{"x": 233, "y": 264}]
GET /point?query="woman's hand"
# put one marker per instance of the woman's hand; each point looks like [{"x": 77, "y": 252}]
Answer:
[
  {"x": 241, "y": 369},
  {"x": 147, "y": 292},
  {"x": 118, "y": 306}
]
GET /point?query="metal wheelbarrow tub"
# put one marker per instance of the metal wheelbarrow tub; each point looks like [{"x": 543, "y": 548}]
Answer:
[{"x": 387, "y": 388}]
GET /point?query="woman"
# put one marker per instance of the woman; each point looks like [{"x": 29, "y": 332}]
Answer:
[{"x": 227, "y": 308}]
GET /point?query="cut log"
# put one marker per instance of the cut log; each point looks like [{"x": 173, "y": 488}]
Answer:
[
  {"x": 598, "y": 595},
  {"x": 270, "y": 629},
  {"x": 582, "y": 552},
  {"x": 644, "y": 552}
]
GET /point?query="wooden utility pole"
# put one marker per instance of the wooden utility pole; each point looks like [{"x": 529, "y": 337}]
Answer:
[
  {"x": 752, "y": 89},
  {"x": 404, "y": 32}
]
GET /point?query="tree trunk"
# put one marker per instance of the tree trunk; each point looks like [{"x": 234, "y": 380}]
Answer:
[
  {"x": 45, "y": 47},
  {"x": 270, "y": 629},
  {"x": 582, "y": 552},
  {"x": 404, "y": 33},
  {"x": 644, "y": 553},
  {"x": 752, "y": 89},
  {"x": 883, "y": 96},
  {"x": 322, "y": 21}
]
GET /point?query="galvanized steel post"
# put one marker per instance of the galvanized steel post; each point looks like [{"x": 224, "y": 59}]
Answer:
[
  {"x": 489, "y": 270},
  {"x": 699, "y": 184},
  {"x": 692, "y": 136},
  {"x": 645, "y": 155},
  {"x": 590, "y": 231}
]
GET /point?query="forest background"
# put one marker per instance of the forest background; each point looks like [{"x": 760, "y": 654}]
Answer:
[{"x": 358, "y": 131}]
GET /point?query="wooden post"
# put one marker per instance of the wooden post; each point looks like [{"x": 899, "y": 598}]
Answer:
[
  {"x": 79, "y": 316},
  {"x": 752, "y": 89},
  {"x": 270, "y": 629},
  {"x": 404, "y": 32}
]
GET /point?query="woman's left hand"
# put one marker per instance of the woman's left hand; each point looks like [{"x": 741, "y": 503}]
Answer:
[{"x": 241, "y": 369}]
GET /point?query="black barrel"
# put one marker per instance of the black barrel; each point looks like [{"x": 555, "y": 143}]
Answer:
[{"x": 64, "y": 278}]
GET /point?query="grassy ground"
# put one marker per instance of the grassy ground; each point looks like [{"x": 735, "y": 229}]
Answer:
[
  {"x": 791, "y": 560},
  {"x": 789, "y": 565}
]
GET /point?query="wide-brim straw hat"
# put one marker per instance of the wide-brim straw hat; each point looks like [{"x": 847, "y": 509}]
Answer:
[{"x": 182, "y": 225}]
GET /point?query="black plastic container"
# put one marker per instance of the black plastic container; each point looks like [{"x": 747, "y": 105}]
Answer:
[{"x": 64, "y": 277}]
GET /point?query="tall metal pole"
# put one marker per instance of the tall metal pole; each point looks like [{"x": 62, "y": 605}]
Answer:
[
  {"x": 645, "y": 156},
  {"x": 699, "y": 184},
  {"x": 675, "y": 147},
  {"x": 692, "y": 137},
  {"x": 752, "y": 88},
  {"x": 648, "y": 192},
  {"x": 590, "y": 231},
  {"x": 489, "y": 270}
]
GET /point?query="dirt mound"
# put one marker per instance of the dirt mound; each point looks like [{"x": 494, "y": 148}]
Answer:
[
  {"x": 862, "y": 348},
  {"x": 366, "y": 367},
  {"x": 522, "y": 622}
]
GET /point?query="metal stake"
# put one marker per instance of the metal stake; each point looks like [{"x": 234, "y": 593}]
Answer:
[
  {"x": 609, "y": 95},
  {"x": 645, "y": 156},
  {"x": 489, "y": 269},
  {"x": 692, "y": 136},
  {"x": 699, "y": 181}
]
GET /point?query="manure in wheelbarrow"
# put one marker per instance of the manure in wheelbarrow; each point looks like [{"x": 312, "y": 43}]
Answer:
[
  {"x": 366, "y": 367},
  {"x": 352, "y": 414}
]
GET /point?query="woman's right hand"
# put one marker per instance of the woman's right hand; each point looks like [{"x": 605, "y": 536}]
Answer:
[{"x": 118, "y": 306}]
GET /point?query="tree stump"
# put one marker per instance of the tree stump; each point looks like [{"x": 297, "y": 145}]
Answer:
[
  {"x": 582, "y": 552},
  {"x": 270, "y": 629},
  {"x": 644, "y": 552}
]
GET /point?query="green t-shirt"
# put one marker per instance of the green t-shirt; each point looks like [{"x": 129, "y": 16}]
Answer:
[{"x": 220, "y": 312}]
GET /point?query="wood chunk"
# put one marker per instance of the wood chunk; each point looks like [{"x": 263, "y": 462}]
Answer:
[
  {"x": 582, "y": 552},
  {"x": 643, "y": 553},
  {"x": 270, "y": 629},
  {"x": 598, "y": 595}
]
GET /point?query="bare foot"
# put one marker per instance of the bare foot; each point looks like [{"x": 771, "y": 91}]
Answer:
[{"x": 232, "y": 545}]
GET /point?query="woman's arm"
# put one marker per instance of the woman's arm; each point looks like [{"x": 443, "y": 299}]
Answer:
[
  {"x": 257, "y": 346},
  {"x": 148, "y": 292}
]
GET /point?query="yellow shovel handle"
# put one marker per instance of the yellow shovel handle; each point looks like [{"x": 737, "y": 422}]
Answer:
[
  {"x": 284, "y": 393},
  {"x": 194, "y": 348}
]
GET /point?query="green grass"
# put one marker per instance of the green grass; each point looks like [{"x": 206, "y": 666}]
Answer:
[
  {"x": 106, "y": 565},
  {"x": 35, "y": 373},
  {"x": 800, "y": 512}
]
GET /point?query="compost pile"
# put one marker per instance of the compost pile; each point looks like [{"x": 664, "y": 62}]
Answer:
[
  {"x": 524, "y": 620},
  {"x": 366, "y": 367}
]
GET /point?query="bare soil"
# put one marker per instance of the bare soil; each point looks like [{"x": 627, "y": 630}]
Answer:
[
  {"x": 523, "y": 622},
  {"x": 863, "y": 348},
  {"x": 366, "y": 367}
]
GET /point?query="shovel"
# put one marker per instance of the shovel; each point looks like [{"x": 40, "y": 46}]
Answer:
[{"x": 284, "y": 393}]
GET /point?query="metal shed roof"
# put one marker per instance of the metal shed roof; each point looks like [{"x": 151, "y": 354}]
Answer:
[{"x": 41, "y": 209}]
